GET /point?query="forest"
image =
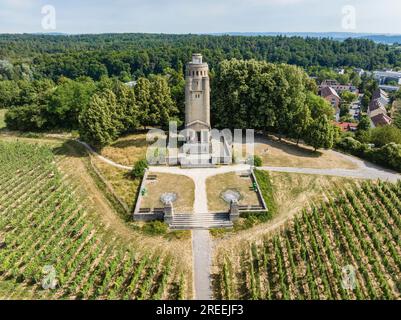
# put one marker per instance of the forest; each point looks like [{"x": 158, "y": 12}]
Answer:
[
  {"x": 130, "y": 56},
  {"x": 78, "y": 82}
]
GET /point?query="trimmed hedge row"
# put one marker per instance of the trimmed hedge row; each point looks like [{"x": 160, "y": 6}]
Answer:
[{"x": 266, "y": 188}]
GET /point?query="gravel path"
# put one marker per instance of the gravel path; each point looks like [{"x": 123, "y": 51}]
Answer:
[{"x": 366, "y": 170}]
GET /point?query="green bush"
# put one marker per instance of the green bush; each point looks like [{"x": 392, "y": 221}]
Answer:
[
  {"x": 255, "y": 161},
  {"x": 388, "y": 155},
  {"x": 155, "y": 228},
  {"x": 351, "y": 145},
  {"x": 139, "y": 169},
  {"x": 26, "y": 118},
  {"x": 266, "y": 188},
  {"x": 381, "y": 136}
]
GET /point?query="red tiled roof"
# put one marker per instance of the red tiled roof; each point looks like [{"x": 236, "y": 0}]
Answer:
[{"x": 346, "y": 126}]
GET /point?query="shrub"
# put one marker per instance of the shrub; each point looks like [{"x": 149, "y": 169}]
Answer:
[
  {"x": 388, "y": 155},
  {"x": 26, "y": 118},
  {"x": 155, "y": 228},
  {"x": 266, "y": 188},
  {"x": 256, "y": 161},
  {"x": 349, "y": 144},
  {"x": 381, "y": 136},
  {"x": 139, "y": 169}
]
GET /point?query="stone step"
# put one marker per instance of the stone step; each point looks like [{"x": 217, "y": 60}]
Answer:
[
  {"x": 200, "y": 226},
  {"x": 201, "y": 221},
  {"x": 198, "y": 166}
]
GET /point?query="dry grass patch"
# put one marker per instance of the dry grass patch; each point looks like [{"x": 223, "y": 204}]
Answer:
[
  {"x": 124, "y": 186},
  {"x": 127, "y": 150},
  {"x": 220, "y": 183},
  {"x": 170, "y": 183},
  {"x": 287, "y": 154},
  {"x": 292, "y": 193}
]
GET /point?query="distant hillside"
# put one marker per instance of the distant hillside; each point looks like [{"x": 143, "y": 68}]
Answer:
[
  {"x": 133, "y": 55},
  {"x": 379, "y": 38}
]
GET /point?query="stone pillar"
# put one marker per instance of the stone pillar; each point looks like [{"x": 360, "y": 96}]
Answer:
[
  {"x": 168, "y": 213},
  {"x": 234, "y": 211}
]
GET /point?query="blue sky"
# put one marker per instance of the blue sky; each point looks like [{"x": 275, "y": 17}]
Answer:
[{"x": 203, "y": 16}]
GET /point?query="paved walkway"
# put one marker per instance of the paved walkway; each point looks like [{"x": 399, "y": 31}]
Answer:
[
  {"x": 365, "y": 170},
  {"x": 202, "y": 244}
]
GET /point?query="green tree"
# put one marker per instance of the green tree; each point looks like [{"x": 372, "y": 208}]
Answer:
[
  {"x": 320, "y": 133},
  {"x": 319, "y": 106},
  {"x": 289, "y": 96},
  {"x": 381, "y": 136},
  {"x": 67, "y": 100},
  {"x": 364, "y": 123},
  {"x": 363, "y": 133},
  {"x": 98, "y": 120},
  {"x": 127, "y": 110},
  {"x": 139, "y": 169},
  {"x": 9, "y": 91},
  {"x": 162, "y": 108},
  {"x": 397, "y": 116},
  {"x": 301, "y": 121},
  {"x": 26, "y": 118},
  {"x": 143, "y": 100}
]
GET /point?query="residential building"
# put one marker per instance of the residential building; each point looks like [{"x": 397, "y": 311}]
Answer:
[
  {"x": 332, "y": 96},
  {"x": 355, "y": 110},
  {"x": 340, "y": 88},
  {"x": 381, "y": 120},
  {"x": 384, "y": 77},
  {"x": 377, "y": 109},
  {"x": 359, "y": 71},
  {"x": 389, "y": 88}
]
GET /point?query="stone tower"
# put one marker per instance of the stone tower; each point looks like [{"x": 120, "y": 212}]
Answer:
[{"x": 197, "y": 95}]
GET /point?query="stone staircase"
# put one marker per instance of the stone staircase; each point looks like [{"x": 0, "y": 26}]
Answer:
[{"x": 200, "y": 221}]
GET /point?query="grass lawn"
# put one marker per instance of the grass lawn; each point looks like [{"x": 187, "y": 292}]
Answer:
[
  {"x": 127, "y": 150},
  {"x": 287, "y": 154},
  {"x": 181, "y": 185},
  {"x": 292, "y": 193},
  {"x": 2, "y": 114},
  {"x": 218, "y": 184}
]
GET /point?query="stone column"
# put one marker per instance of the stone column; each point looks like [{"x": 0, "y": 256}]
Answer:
[
  {"x": 168, "y": 213},
  {"x": 234, "y": 211}
]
